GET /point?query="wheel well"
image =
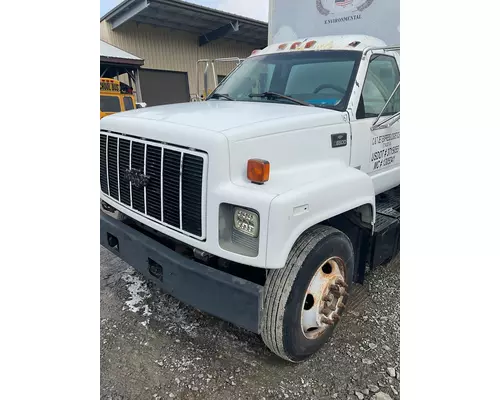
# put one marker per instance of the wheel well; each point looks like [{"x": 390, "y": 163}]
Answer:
[
  {"x": 357, "y": 225},
  {"x": 361, "y": 217},
  {"x": 352, "y": 220}
]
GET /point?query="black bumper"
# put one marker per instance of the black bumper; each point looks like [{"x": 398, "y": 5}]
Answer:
[{"x": 215, "y": 292}]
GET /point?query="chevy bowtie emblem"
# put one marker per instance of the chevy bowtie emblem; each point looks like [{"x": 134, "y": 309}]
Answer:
[{"x": 136, "y": 178}]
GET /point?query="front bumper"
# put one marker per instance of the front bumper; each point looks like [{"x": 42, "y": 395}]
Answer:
[{"x": 215, "y": 292}]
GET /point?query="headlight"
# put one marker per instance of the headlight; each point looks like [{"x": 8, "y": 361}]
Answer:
[
  {"x": 246, "y": 222},
  {"x": 239, "y": 230}
]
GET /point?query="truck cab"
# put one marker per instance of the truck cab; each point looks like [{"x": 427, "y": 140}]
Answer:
[
  {"x": 346, "y": 76},
  {"x": 260, "y": 204}
]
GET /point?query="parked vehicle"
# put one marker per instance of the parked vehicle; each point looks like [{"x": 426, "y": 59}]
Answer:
[
  {"x": 210, "y": 77},
  {"x": 264, "y": 204},
  {"x": 115, "y": 97}
]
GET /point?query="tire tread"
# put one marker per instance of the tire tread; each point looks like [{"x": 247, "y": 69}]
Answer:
[{"x": 278, "y": 287}]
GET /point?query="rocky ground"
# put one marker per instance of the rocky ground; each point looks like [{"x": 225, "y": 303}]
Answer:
[{"x": 153, "y": 347}]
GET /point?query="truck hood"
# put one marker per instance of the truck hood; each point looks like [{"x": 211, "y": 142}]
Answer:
[{"x": 237, "y": 120}]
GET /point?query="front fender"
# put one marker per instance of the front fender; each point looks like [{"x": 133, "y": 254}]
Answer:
[{"x": 342, "y": 189}]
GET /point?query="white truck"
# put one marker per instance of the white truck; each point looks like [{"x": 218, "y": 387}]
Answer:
[{"x": 264, "y": 204}]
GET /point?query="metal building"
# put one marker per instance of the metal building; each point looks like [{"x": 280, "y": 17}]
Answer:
[
  {"x": 116, "y": 63},
  {"x": 171, "y": 36}
]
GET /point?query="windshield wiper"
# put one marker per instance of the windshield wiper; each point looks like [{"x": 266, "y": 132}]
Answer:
[
  {"x": 221, "y": 95},
  {"x": 274, "y": 95}
]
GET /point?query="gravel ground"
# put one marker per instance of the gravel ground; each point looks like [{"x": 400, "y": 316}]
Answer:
[{"x": 153, "y": 347}]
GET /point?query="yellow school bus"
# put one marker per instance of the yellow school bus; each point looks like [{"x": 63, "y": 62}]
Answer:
[{"x": 115, "y": 97}]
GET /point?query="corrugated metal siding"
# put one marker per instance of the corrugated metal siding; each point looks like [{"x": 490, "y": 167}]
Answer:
[{"x": 172, "y": 50}]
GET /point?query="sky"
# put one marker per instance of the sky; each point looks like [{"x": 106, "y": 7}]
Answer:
[{"x": 256, "y": 9}]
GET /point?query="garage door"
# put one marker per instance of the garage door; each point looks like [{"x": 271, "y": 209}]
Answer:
[{"x": 163, "y": 87}]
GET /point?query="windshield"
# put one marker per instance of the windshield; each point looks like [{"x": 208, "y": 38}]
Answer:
[
  {"x": 110, "y": 104},
  {"x": 320, "y": 78}
]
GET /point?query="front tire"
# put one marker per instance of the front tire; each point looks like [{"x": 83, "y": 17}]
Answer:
[{"x": 294, "y": 322}]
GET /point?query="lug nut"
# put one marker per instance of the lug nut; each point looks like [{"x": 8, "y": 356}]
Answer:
[
  {"x": 328, "y": 298},
  {"x": 327, "y": 311},
  {"x": 327, "y": 321},
  {"x": 340, "y": 282},
  {"x": 334, "y": 288}
]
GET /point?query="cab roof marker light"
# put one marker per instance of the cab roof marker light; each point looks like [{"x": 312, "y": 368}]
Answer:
[
  {"x": 282, "y": 46},
  {"x": 295, "y": 45},
  {"x": 310, "y": 44}
]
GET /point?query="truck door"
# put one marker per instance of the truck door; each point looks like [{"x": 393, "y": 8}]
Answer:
[{"x": 376, "y": 148}]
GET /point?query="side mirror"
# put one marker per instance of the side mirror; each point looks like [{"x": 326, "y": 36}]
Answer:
[
  {"x": 392, "y": 119},
  {"x": 386, "y": 123}
]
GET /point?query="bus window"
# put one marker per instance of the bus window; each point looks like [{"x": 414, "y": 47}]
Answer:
[
  {"x": 110, "y": 104},
  {"x": 128, "y": 103}
]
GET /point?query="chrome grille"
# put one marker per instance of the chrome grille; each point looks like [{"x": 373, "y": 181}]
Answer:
[{"x": 162, "y": 182}]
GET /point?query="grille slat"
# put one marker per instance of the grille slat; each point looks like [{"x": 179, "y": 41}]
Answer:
[
  {"x": 171, "y": 182},
  {"x": 147, "y": 177},
  {"x": 190, "y": 192},
  {"x": 138, "y": 164},
  {"x": 103, "y": 172},
  {"x": 113, "y": 167},
  {"x": 192, "y": 180},
  {"x": 124, "y": 163},
  {"x": 153, "y": 189}
]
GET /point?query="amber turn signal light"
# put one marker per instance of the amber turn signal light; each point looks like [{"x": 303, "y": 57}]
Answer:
[{"x": 258, "y": 170}]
